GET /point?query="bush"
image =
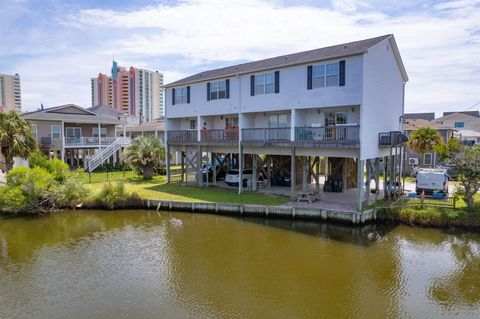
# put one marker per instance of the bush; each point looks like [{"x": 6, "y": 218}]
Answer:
[
  {"x": 71, "y": 192},
  {"x": 114, "y": 195},
  {"x": 12, "y": 200},
  {"x": 56, "y": 167}
]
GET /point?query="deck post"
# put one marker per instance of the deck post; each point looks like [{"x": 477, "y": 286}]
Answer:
[
  {"x": 269, "y": 170},
  {"x": 360, "y": 183},
  {"x": 377, "y": 177},
  {"x": 304, "y": 177},
  {"x": 183, "y": 165},
  {"x": 199, "y": 166},
  {"x": 214, "y": 168},
  {"x": 167, "y": 162},
  {"x": 292, "y": 173},
  {"x": 385, "y": 170},
  {"x": 254, "y": 171},
  {"x": 240, "y": 169},
  {"x": 317, "y": 174}
]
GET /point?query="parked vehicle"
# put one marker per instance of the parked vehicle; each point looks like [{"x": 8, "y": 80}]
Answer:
[
  {"x": 233, "y": 177},
  {"x": 431, "y": 180}
]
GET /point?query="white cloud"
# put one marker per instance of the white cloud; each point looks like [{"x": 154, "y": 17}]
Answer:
[{"x": 440, "y": 43}]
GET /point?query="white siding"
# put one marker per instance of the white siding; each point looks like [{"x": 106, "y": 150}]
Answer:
[
  {"x": 293, "y": 93},
  {"x": 382, "y": 99}
]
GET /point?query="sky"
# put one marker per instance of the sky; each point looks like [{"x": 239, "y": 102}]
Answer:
[{"x": 58, "y": 46}]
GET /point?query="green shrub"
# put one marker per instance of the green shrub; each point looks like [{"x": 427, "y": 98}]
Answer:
[
  {"x": 114, "y": 195},
  {"x": 56, "y": 167},
  {"x": 12, "y": 200},
  {"x": 71, "y": 192}
]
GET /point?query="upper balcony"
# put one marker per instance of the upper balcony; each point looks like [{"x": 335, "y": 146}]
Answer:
[{"x": 89, "y": 141}]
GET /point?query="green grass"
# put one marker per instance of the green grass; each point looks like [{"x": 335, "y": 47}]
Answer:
[
  {"x": 157, "y": 188},
  {"x": 110, "y": 176}
]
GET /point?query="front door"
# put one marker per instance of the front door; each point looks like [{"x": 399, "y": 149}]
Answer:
[{"x": 73, "y": 134}]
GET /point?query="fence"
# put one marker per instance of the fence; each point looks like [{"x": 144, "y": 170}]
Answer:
[
  {"x": 447, "y": 202},
  {"x": 109, "y": 176}
]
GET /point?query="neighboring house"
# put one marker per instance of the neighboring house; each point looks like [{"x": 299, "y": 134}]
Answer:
[
  {"x": 78, "y": 136},
  {"x": 330, "y": 103},
  {"x": 423, "y": 116},
  {"x": 467, "y": 124},
  {"x": 156, "y": 129},
  {"x": 429, "y": 159}
]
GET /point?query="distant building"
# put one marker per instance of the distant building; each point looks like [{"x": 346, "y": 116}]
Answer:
[
  {"x": 10, "y": 93},
  {"x": 423, "y": 116},
  {"x": 467, "y": 124},
  {"x": 137, "y": 92}
]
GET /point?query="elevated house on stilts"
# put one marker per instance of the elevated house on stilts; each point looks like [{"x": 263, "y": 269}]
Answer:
[{"x": 326, "y": 122}]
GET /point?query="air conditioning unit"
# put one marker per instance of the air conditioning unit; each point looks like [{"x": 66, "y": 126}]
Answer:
[{"x": 413, "y": 161}]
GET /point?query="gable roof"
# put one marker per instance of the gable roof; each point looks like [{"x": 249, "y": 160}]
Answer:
[
  {"x": 424, "y": 116},
  {"x": 81, "y": 115},
  {"x": 331, "y": 52},
  {"x": 458, "y": 115},
  {"x": 415, "y": 124},
  {"x": 106, "y": 111},
  {"x": 472, "y": 113}
]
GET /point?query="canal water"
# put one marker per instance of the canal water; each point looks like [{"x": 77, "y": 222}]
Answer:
[{"x": 139, "y": 264}]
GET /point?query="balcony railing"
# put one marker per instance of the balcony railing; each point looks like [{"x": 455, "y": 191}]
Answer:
[
  {"x": 46, "y": 141},
  {"x": 89, "y": 141},
  {"x": 344, "y": 134},
  {"x": 183, "y": 136},
  {"x": 392, "y": 138},
  {"x": 280, "y": 134},
  {"x": 228, "y": 136}
]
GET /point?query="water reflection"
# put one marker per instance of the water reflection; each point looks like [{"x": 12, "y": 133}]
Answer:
[{"x": 132, "y": 264}]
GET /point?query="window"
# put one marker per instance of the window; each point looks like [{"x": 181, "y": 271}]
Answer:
[
  {"x": 459, "y": 124},
  {"x": 231, "y": 122},
  {"x": 278, "y": 120},
  {"x": 34, "y": 130},
  {"x": 73, "y": 132},
  {"x": 427, "y": 159},
  {"x": 218, "y": 90},
  {"x": 336, "y": 118},
  {"x": 181, "y": 95},
  {"x": 325, "y": 75},
  {"x": 193, "y": 124},
  {"x": 103, "y": 132},
  {"x": 56, "y": 132},
  {"x": 265, "y": 83}
]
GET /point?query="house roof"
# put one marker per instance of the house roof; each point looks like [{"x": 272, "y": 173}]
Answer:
[
  {"x": 147, "y": 127},
  {"x": 415, "y": 124},
  {"x": 61, "y": 113},
  {"x": 106, "y": 111},
  {"x": 471, "y": 113},
  {"x": 457, "y": 115},
  {"x": 336, "y": 51},
  {"x": 424, "y": 116}
]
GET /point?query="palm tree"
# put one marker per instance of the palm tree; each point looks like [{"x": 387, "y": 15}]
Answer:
[
  {"x": 16, "y": 137},
  {"x": 146, "y": 154},
  {"x": 424, "y": 140}
]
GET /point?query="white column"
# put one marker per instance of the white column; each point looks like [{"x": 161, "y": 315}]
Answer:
[
  {"x": 124, "y": 130},
  {"x": 167, "y": 162},
  {"x": 199, "y": 128},
  {"x": 360, "y": 182},
  {"x": 99, "y": 135},
  {"x": 292, "y": 124},
  {"x": 62, "y": 135}
]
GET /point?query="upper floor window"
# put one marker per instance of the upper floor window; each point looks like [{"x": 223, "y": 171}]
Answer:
[
  {"x": 180, "y": 95},
  {"x": 193, "y": 124},
  {"x": 459, "y": 124},
  {"x": 265, "y": 83},
  {"x": 56, "y": 132},
  {"x": 326, "y": 75},
  {"x": 103, "y": 132},
  {"x": 218, "y": 90}
]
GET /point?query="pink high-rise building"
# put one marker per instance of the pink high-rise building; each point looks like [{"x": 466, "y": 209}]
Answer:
[{"x": 137, "y": 92}]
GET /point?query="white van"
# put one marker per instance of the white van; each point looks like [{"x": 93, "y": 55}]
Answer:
[{"x": 430, "y": 180}]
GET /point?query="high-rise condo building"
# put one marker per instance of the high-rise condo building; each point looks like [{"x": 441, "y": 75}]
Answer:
[
  {"x": 10, "y": 94},
  {"x": 137, "y": 92}
]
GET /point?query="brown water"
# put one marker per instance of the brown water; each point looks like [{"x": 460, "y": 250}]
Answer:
[{"x": 179, "y": 265}]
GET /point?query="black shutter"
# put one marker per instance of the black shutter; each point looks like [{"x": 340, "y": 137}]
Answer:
[
  {"x": 227, "y": 88},
  {"x": 341, "y": 81},
  {"x": 277, "y": 81},
  {"x": 173, "y": 96},
  {"x": 208, "y": 91},
  {"x": 252, "y": 85},
  {"x": 309, "y": 77},
  {"x": 188, "y": 94}
]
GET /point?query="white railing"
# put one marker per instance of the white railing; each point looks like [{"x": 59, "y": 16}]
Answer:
[
  {"x": 102, "y": 155},
  {"x": 89, "y": 141}
]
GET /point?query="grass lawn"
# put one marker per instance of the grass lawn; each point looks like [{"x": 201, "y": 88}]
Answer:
[{"x": 157, "y": 188}]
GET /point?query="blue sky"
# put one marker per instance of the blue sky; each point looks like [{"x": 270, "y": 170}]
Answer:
[{"x": 57, "y": 46}]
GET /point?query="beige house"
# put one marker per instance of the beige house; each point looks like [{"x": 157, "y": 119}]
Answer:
[
  {"x": 467, "y": 124},
  {"x": 78, "y": 136}
]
